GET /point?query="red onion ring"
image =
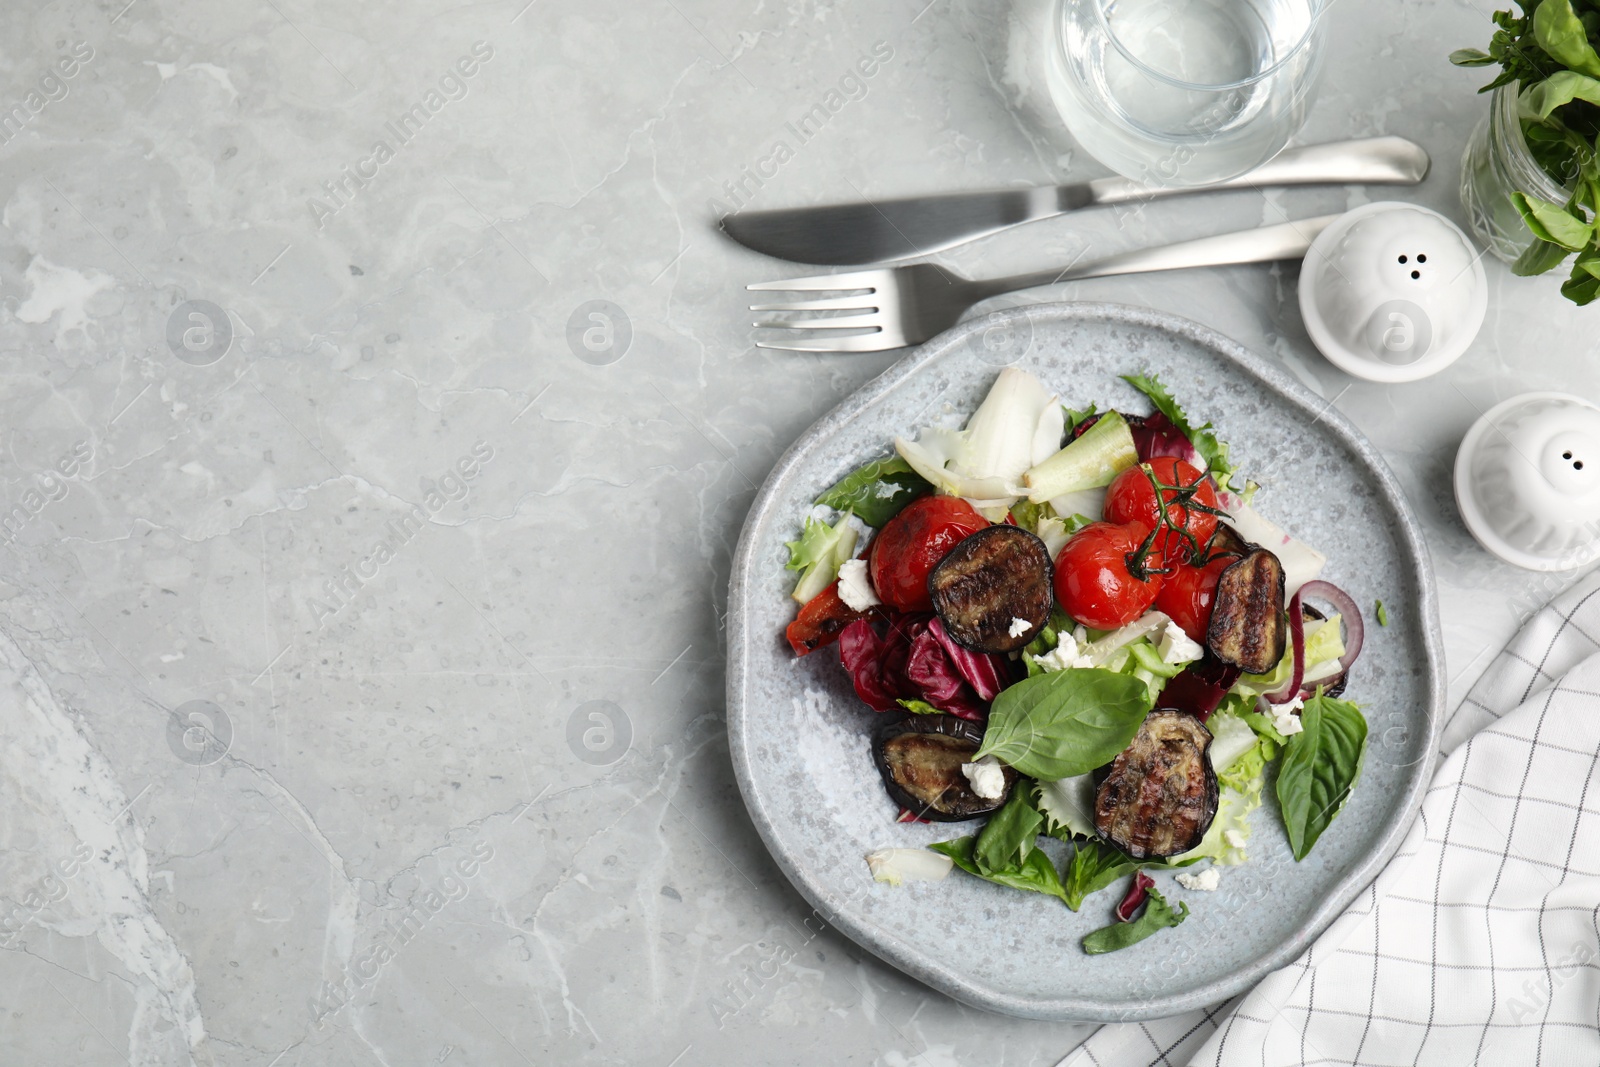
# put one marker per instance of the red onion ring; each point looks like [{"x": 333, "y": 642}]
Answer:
[
  {"x": 1354, "y": 634},
  {"x": 1297, "y": 643},
  {"x": 1354, "y": 629}
]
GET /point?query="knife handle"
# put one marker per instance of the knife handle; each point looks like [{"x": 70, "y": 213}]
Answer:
[{"x": 1365, "y": 161}]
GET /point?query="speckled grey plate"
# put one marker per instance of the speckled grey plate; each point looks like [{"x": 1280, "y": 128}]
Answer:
[{"x": 799, "y": 735}]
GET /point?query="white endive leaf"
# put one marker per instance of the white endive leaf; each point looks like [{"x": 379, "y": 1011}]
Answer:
[
  {"x": 898, "y": 865},
  {"x": 1000, "y": 435},
  {"x": 930, "y": 463},
  {"x": 1047, "y": 435},
  {"x": 1090, "y": 503}
]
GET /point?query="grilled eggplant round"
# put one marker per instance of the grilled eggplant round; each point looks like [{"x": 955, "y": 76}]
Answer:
[
  {"x": 1248, "y": 627},
  {"x": 1160, "y": 794},
  {"x": 989, "y": 582},
  {"x": 920, "y": 759}
]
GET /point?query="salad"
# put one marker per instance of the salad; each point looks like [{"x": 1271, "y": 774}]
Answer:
[{"x": 1074, "y": 624}]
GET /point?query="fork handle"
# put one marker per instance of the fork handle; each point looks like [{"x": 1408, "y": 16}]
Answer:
[{"x": 1286, "y": 240}]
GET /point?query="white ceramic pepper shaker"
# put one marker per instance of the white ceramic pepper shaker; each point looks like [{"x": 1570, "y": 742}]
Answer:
[
  {"x": 1392, "y": 292},
  {"x": 1527, "y": 481}
]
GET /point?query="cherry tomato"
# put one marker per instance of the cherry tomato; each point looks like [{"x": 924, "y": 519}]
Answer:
[
  {"x": 912, "y": 543},
  {"x": 1131, "y": 498},
  {"x": 820, "y": 621},
  {"x": 1187, "y": 595},
  {"x": 1094, "y": 582}
]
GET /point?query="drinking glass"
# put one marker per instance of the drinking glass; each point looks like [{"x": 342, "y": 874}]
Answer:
[{"x": 1185, "y": 92}]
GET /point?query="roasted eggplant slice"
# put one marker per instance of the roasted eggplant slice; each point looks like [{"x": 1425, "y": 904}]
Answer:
[
  {"x": 1227, "y": 542},
  {"x": 920, "y": 758},
  {"x": 1248, "y": 628},
  {"x": 1159, "y": 796},
  {"x": 992, "y": 590}
]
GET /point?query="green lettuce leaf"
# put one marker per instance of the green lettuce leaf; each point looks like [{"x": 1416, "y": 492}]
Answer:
[
  {"x": 1007, "y": 838},
  {"x": 877, "y": 491},
  {"x": 1095, "y": 865},
  {"x": 1320, "y": 767},
  {"x": 1158, "y": 915},
  {"x": 1068, "y": 807},
  {"x": 1036, "y": 874}
]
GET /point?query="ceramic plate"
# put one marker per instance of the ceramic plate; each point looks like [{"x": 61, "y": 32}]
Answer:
[{"x": 799, "y": 736}]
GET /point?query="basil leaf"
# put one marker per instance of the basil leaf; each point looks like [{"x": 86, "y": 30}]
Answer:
[
  {"x": 1065, "y": 723},
  {"x": 1552, "y": 222},
  {"x": 1007, "y": 838},
  {"x": 1036, "y": 874},
  {"x": 1094, "y": 866},
  {"x": 1559, "y": 31},
  {"x": 877, "y": 491},
  {"x": 1213, "y": 451},
  {"x": 1559, "y": 89},
  {"x": 1538, "y": 257},
  {"x": 1078, "y": 416},
  {"x": 1320, "y": 766},
  {"x": 1470, "y": 57},
  {"x": 1158, "y": 915},
  {"x": 1582, "y": 287}
]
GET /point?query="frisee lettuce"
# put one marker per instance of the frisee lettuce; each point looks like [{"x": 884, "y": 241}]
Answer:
[
  {"x": 818, "y": 554},
  {"x": 1205, "y": 442}
]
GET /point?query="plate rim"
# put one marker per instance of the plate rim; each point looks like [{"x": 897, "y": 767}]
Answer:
[{"x": 895, "y": 951}]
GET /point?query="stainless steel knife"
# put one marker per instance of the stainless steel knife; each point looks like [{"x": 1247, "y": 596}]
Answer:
[{"x": 849, "y": 234}]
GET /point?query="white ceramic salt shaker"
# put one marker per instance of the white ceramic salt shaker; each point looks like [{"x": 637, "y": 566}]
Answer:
[
  {"x": 1392, "y": 292},
  {"x": 1528, "y": 481}
]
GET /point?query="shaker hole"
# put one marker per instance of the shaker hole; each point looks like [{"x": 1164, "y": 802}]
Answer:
[
  {"x": 1402, "y": 259},
  {"x": 1416, "y": 274},
  {"x": 1422, "y": 257}
]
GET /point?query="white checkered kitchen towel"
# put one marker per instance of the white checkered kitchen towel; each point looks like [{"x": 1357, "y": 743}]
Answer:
[{"x": 1479, "y": 943}]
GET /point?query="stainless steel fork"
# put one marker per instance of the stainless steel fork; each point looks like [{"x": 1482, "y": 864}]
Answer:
[{"x": 903, "y": 306}]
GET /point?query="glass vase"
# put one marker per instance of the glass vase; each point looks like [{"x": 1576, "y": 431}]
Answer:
[{"x": 1496, "y": 164}]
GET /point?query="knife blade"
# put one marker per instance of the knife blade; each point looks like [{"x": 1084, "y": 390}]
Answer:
[{"x": 851, "y": 234}]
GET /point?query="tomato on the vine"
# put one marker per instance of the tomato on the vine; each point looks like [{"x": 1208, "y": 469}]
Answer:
[
  {"x": 913, "y": 542},
  {"x": 1189, "y": 593},
  {"x": 1100, "y": 579},
  {"x": 1186, "y": 492}
]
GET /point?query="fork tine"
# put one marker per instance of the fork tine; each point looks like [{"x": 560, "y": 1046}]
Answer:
[
  {"x": 860, "y": 279},
  {"x": 871, "y": 342},
  {"x": 847, "y": 322},
  {"x": 827, "y": 303}
]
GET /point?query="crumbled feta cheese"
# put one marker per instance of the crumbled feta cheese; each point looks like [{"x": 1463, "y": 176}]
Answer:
[
  {"x": 1284, "y": 719},
  {"x": 987, "y": 778},
  {"x": 823, "y": 513},
  {"x": 855, "y": 587},
  {"x": 1234, "y": 838},
  {"x": 1206, "y": 881},
  {"x": 1063, "y": 656},
  {"x": 1177, "y": 647},
  {"x": 1019, "y": 626}
]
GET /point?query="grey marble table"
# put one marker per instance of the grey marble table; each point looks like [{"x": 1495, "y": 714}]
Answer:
[{"x": 360, "y": 608}]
